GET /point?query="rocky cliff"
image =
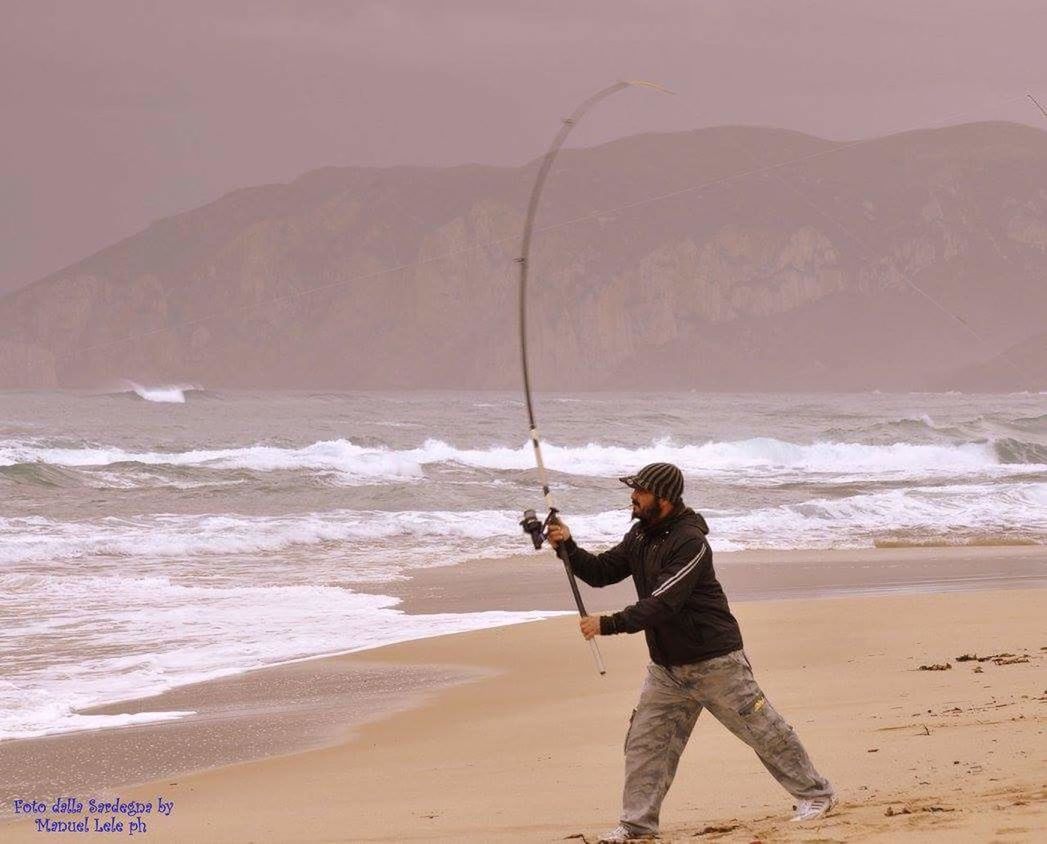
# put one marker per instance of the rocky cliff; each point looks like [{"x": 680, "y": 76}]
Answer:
[{"x": 730, "y": 258}]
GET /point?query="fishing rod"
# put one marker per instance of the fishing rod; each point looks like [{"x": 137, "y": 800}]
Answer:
[
  {"x": 530, "y": 523},
  {"x": 1036, "y": 102}
]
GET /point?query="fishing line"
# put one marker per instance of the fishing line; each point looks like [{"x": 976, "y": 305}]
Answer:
[
  {"x": 587, "y": 217},
  {"x": 530, "y": 522}
]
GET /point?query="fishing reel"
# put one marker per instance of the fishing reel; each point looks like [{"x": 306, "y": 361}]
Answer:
[{"x": 537, "y": 529}]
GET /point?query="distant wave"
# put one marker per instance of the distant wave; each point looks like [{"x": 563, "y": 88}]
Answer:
[
  {"x": 38, "y": 474},
  {"x": 899, "y": 428},
  {"x": 161, "y": 393},
  {"x": 164, "y": 395},
  {"x": 924, "y": 428},
  {"x": 379, "y": 545},
  {"x": 1031, "y": 423},
  {"x": 761, "y": 456},
  {"x": 335, "y": 455},
  {"x": 174, "y": 394},
  {"x": 755, "y": 455}
]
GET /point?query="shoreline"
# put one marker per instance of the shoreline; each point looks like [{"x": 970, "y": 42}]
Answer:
[
  {"x": 501, "y": 758},
  {"x": 315, "y": 704},
  {"x": 537, "y": 581}
]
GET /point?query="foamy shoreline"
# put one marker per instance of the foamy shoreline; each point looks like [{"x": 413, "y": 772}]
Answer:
[
  {"x": 487, "y": 760},
  {"x": 286, "y": 709}
]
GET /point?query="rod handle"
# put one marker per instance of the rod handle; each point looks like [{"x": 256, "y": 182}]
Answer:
[{"x": 596, "y": 655}]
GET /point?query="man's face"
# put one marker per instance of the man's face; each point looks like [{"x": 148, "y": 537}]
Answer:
[{"x": 645, "y": 506}]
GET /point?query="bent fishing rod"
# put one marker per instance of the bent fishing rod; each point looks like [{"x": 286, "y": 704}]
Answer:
[{"x": 531, "y": 524}]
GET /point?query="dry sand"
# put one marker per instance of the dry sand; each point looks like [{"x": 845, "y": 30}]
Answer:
[{"x": 530, "y": 748}]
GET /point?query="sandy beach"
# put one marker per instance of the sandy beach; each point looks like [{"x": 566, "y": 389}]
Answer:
[{"x": 508, "y": 734}]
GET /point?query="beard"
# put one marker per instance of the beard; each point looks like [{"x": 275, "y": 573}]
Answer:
[{"x": 647, "y": 515}]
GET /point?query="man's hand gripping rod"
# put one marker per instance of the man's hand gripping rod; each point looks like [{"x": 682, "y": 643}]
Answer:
[{"x": 537, "y": 530}]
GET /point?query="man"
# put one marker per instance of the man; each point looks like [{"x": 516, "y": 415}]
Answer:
[{"x": 697, "y": 660}]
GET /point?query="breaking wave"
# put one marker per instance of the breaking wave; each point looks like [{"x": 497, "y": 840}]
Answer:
[
  {"x": 378, "y": 545},
  {"x": 335, "y": 455},
  {"x": 958, "y": 512},
  {"x": 165, "y": 395},
  {"x": 160, "y": 394},
  {"x": 37, "y": 474},
  {"x": 756, "y": 457},
  {"x": 1013, "y": 451},
  {"x": 437, "y": 537}
]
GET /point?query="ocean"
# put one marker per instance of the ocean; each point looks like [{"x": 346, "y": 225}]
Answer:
[{"x": 153, "y": 537}]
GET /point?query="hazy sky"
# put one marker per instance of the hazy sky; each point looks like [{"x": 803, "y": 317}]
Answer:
[{"x": 118, "y": 112}]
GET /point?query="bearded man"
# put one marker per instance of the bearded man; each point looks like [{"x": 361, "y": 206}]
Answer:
[{"x": 697, "y": 661}]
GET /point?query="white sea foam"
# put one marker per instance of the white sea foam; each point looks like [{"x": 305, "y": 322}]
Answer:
[
  {"x": 113, "y": 650},
  {"x": 373, "y": 545},
  {"x": 174, "y": 394},
  {"x": 955, "y": 511},
  {"x": 361, "y": 545},
  {"x": 354, "y": 462},
  {"x": 220, "y": 565},
  {"x": 762, "y": 453},
  {"x": 757, "y": 457},
  {"x": 223, "y": 608}
]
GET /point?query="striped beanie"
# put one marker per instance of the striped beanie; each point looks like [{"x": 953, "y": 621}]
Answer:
[{"x": 662, "y": 479}]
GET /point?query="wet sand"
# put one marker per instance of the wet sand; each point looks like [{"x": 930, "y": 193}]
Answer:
[
  {"x": 511, "y": 736},
  {"x": 537, "y": 581},
  {"x": 268, "y": 712}
]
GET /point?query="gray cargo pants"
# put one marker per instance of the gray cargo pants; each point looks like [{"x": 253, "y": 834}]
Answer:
[{"x": 670, "y": 702}]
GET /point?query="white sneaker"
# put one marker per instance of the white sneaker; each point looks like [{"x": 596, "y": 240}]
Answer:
[
  {"x": 620, "y": 834},
  {"x": 808, "y": 810}
]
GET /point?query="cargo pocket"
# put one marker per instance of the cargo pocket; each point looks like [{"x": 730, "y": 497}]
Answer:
[
  {"x": 765, "y": 727},
  {"x": 628, "y": 731},
  {"x": 753, "y": 707}
]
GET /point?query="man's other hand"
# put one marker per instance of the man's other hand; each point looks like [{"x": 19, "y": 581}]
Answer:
[
  {"x": 590, "y": 625},
  {"x": 558, "y": 532}
]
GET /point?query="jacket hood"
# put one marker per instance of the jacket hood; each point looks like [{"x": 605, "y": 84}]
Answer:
[
  {"x": 699, "y": 520},
  {"x": 685, "y": 514},
  {"x": 695, "y": 518}
]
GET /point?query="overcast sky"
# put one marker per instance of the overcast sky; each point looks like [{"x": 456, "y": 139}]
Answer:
[{"x": 118, "y": 112}]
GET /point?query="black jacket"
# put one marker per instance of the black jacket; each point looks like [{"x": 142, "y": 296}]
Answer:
[{"x": 682, "y": 608}]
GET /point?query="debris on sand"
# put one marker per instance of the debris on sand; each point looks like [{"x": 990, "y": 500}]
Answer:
[
  {"x": 717, "y": 830},
  {"x": 999, "y": 659},
  {"x": 911, "y": 810},
  {"x": 936, "y": 666},
  {"x": 1010, "y": 659}
]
